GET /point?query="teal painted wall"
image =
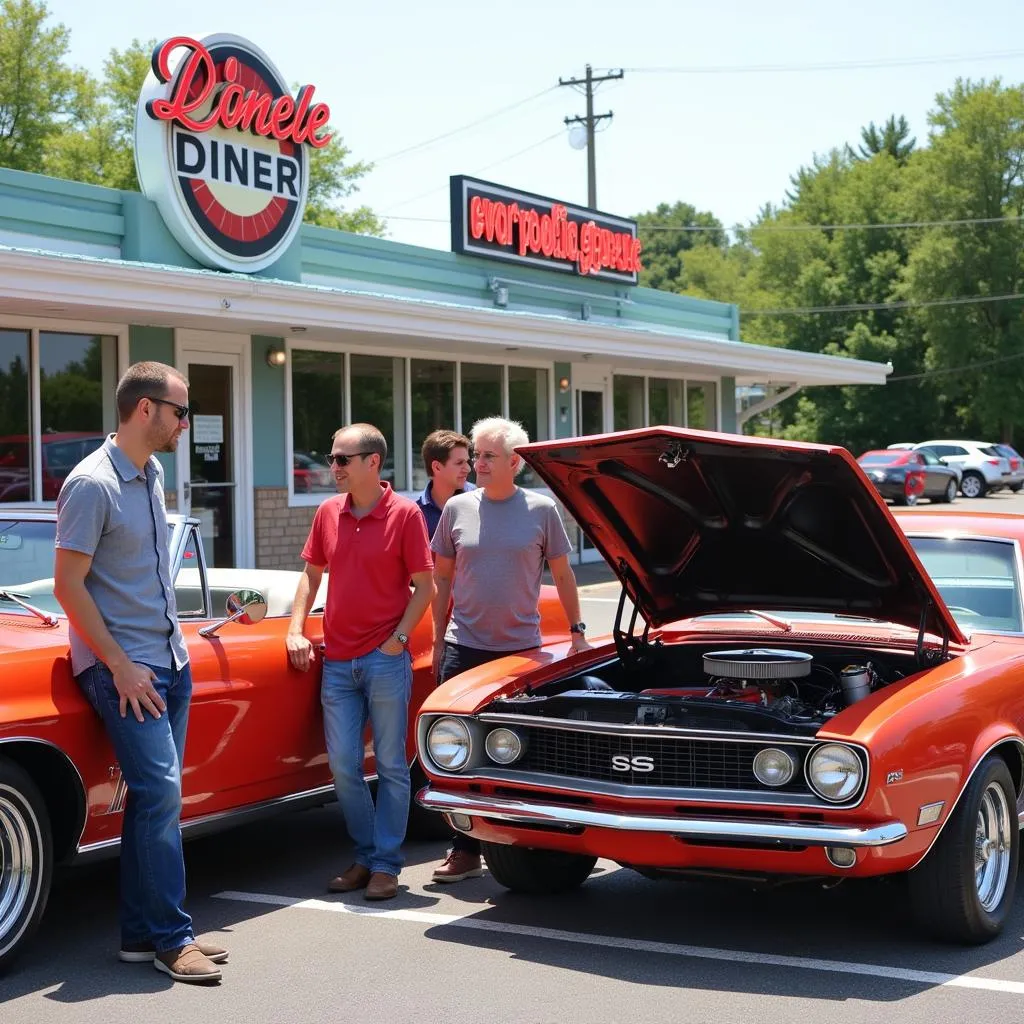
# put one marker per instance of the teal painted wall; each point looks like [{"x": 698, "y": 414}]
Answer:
[
  {"x": 728, "y": 398},
  {"x": 269, "y": 429}
]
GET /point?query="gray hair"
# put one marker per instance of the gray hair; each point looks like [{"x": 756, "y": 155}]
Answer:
[{"x": 510, "y": 433}]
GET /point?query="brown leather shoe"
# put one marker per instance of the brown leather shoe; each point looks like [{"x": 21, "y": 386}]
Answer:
[
  {"x": 187, "y": 964},
  {"x": 144, "y": 952},
  {"x": 459, "y": 864},
  {"x": 349, "y": 880},
  {"x": 381, "y": 886}
]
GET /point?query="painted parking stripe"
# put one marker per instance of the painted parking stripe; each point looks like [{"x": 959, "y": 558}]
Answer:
[{"x": 638, "y": 945}]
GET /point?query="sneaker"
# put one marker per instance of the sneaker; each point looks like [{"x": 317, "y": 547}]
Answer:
[
  {"x": 144, "y": 952},
  {"x": 187, "y": 964},
  {"x": 459, "y": 864}
]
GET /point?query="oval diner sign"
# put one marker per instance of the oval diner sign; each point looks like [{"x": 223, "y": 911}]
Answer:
[{"x": 221, "y": 147}]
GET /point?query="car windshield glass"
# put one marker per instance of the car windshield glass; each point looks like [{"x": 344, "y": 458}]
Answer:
[
  {"x": 976, "y": 578},
  {"x": 26, "y": 564}
]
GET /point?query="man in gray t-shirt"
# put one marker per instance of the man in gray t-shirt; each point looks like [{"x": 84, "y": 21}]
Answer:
[{"x": 490, "y": 547}]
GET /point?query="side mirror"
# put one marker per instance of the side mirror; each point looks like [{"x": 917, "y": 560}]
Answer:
[{"x": 246, "y": 607}]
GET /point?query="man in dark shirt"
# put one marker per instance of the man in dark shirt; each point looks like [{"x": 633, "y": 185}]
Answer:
[{"x": 446, "y": 460}]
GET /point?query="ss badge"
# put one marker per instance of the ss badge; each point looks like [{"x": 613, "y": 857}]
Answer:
[{"x": 621, "y": 763}]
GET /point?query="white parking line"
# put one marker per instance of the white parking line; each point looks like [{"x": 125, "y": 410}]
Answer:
[{"x": 638, "y": 945}]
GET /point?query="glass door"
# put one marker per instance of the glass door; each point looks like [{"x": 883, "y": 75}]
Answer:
[
  {"x": 589, "y": 420},
  {"x": 210, "y": 465}
]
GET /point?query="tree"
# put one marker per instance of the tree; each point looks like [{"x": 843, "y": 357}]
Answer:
[
  {"x": 893, "y": 138},
  {"x": 662, "y": 249},
  {"x": 38, "y": 92}
]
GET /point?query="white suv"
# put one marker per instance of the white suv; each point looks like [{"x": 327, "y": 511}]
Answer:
[{"x": 984, "y": 468}]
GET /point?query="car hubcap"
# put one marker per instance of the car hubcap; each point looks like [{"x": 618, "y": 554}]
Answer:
[
  {"x": 971, "y": 487},
  {"x": 950, "y": 491},
  {"x": 992, "y": 847},
  {"x": 16, "y": 865}
]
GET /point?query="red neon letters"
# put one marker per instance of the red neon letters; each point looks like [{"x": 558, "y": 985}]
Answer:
[
  {"x": 295, "y": 120},
  {"x": 553, "y": 235}
]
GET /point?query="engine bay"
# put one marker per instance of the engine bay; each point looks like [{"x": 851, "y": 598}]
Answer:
[{"x": 715, "y": 688}]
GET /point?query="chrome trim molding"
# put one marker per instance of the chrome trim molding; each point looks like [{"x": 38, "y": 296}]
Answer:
[{"x": 528, "y": 813}]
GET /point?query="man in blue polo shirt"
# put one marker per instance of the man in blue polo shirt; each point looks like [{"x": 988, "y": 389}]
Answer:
[{"x": 446, "y": 460}]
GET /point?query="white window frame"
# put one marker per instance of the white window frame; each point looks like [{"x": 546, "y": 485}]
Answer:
[
  {"x": 35, "y": 326},
  {"x": 408, "y": 354}
]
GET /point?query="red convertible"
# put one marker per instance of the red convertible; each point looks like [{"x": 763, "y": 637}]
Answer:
[
  {"x": 800, "y": 686},
  {"x": 255, "y": 736}
]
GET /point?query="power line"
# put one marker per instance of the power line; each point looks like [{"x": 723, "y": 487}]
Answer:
[
  {"x": 589, "y": 121},
  {"x": 463, "y": 128},
  {"x": 848, "y": 65},
  {"x": 962, "y": 300},
  {"x": 956, "y": 369}
]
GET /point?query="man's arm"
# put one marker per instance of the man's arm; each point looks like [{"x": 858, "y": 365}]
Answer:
[
  {"x": 569, "y": 595},
  {"x": 422, "y": 593},
  {"x": 300, "y": 650},
  {"x": 444, "y": 576},
  {"x": 134, "y": 683}
]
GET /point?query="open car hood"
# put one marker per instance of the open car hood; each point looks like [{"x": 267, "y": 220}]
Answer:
[{"x": 695, "y": 523}]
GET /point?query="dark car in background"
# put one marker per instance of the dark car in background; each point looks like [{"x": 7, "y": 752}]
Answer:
[
  {"x": 905, "y": 476},
  {"x": 1015, "y": 481}
]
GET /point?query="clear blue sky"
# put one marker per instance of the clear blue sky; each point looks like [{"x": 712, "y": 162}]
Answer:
[{"x": 398, "y": 72}]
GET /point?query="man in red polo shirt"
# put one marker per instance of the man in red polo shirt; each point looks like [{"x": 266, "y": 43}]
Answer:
[{"x": 373, "y": 542}]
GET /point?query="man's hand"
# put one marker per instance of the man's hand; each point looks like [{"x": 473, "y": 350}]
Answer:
[
  {"x": 392, "y": 647},
  {"x": 134, "y": 685},
  {"x": 580, "y": 643},
  {"x": 300, "y": 651}
]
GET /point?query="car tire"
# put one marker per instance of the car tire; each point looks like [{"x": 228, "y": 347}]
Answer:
[
  {"x": 424, "y": 824},
  {"x": 949, "y": 494},
  {"x": 973, "y": 485},
  {"x": 960, "y": 892},
  {"x": 1016, "y": 487},
  {"x": 26, "y": 864},
  {"x": 538, "y": 872}
]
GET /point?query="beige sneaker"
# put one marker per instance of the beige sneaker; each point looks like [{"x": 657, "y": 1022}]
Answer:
[{"x": 187, "y": 964}]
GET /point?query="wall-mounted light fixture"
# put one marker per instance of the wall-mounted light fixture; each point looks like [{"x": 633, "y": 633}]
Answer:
[
  {"x": 563, "y": 384},
  {"x": 276, "y": 357}
]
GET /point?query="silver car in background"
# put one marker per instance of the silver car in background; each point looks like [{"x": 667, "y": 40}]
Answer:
[{"x": 984, "y": 468}]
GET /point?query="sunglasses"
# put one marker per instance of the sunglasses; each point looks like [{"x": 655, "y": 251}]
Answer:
[
  {"x": 181, "y": 411},
  {"x": 344, "y": 460}
]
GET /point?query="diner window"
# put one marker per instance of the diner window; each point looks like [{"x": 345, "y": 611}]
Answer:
[
  {"x": 628, "y": 402},
  {"x": 433, "y": 406},
  {"x": 76, "y": 379},
  {"x": 318, "y": 410},
  {"x": 701, "y": 408},
  {"x": 481, "y": 393},
  {"x": 377, "y": 387},
  {"x": 528, "y": 403},
  {"x": 666, "y": 402}
]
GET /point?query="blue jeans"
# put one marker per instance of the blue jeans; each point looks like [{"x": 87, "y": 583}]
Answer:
[
  {"x": 376, "y": 688},
  {"x": 150, "y": 754}
]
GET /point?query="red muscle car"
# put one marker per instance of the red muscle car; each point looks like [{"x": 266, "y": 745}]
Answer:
[
  {"x": 255, "y": 740},
  {"x": 800, "y": 686}
]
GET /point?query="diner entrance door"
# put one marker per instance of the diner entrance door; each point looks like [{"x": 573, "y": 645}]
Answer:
[{"x": 214, "y": 466}]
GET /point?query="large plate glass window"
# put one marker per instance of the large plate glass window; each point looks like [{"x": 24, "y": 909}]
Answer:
[
  {"x": 701, "y": 411},
  {"x": 666, "y": 402},
  {"x": 377, "y": 387},
  {"x": 528, "y": 403},
  {"x": 318, "y": 410},
  {"x": 628, "y": 401},
  {"x": 433, "y": 406}
]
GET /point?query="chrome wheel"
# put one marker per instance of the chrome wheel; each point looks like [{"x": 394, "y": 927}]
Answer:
[
  {"x": 992, "y": 847},
  {"x": 17, "y": 864},
  {"x": 972, "y": 486}
]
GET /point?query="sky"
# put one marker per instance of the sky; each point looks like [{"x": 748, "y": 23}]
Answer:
[{"x": 399, "y": 73}]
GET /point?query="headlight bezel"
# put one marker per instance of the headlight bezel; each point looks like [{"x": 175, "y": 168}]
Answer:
[
  {"x": 458, "y": 724},
  {"x": 819, "y": 790}
]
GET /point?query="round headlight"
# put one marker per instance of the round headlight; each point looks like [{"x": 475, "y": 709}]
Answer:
[
  {"x": 503, "y": 746},
  {"x": 773, "y": 767},
  {"x": 835, "y": 772},
  {"x": 449, "y": 743}
]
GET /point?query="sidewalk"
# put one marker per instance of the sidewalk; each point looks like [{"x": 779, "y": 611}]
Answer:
[{"x": 590, "y": 574}]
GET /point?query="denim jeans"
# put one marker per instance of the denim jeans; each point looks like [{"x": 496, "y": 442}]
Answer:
[
  {"x": 454, "y": 660},
  {"x": 150, "y": 755},
  {"x": 376, "y": 688}
]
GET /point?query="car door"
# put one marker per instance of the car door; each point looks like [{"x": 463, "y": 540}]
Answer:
[{"x": 937, "y": 476}]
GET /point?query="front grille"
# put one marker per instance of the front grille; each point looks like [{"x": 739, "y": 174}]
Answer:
[{"x": 678, "y": 762}]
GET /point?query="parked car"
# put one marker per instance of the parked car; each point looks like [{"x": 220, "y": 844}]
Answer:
[
  {"x": 905, "y": 476},
  {"x": 61, "y": 451},
  {"x": 1015, "y": 481},
  {"x": 808, "y": 688},
  {"x": 310, "y": 475},
  {"x": 255, "y": 736},
  {"x": 983, "y": 468}
]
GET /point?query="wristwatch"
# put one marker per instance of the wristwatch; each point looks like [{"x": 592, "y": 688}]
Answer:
[
  {"x": 578, "y": 627},
  {"x": 402, "y": 638}
]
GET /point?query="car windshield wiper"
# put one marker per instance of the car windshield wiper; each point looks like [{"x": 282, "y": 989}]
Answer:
[{"x": 19, "y": 599}]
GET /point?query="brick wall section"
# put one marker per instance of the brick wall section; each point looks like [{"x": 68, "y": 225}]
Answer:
[{"x": 280, "y": 531}]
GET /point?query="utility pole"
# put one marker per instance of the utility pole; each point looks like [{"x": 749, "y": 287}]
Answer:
[{"x": 590, "y": 120}]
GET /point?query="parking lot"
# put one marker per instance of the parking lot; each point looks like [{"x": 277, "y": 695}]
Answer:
[{"x": 622, "y": 948}]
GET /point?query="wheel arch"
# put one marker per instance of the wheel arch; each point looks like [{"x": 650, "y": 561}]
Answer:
[
  {"x": 60, "y": 784},
  {"x": 1011, "y": 750}
]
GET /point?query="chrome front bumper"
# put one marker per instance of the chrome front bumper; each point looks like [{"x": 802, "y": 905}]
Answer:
[{"x": 554, "y": 815}]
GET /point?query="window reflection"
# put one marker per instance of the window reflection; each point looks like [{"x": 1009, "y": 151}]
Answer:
[
  {"x": 433, "y": 406},
  {"x": 14, "y": 429},
  {"x": 378, "y": 397},
  {"x": 318, "y": 389},
  {"x": 628, "y": 402},
  {"x": 528, "y": 403}
]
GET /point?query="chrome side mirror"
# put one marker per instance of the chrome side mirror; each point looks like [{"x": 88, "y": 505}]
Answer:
[{"x": 244, "y": 606}]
